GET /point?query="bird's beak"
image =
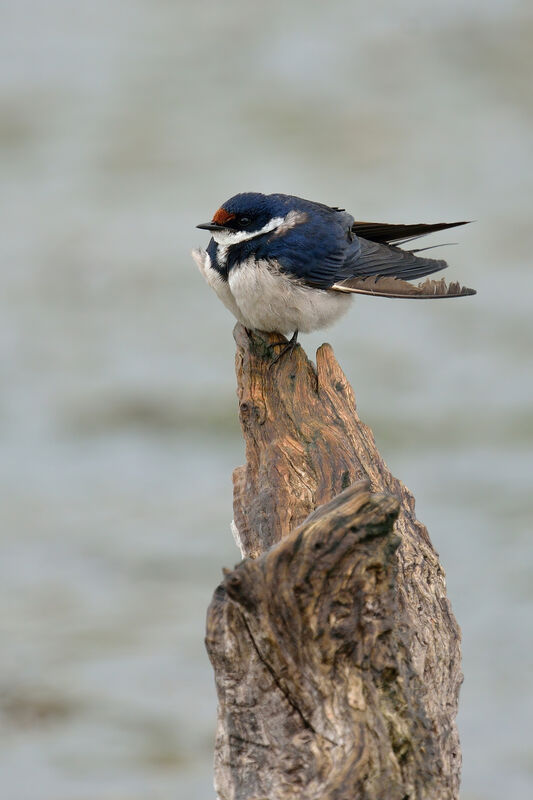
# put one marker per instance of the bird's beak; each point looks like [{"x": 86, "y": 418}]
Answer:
[{"x": 211, "y": 226}]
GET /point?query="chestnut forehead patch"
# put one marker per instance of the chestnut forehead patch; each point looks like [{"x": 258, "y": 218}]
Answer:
[{"x": 222, "y": 216}]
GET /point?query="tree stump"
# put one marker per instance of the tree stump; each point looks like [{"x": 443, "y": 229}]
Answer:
[{"x": 335, "y": 650}]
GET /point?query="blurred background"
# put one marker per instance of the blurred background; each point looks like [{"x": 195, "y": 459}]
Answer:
[{"x": 122, "y": 126}]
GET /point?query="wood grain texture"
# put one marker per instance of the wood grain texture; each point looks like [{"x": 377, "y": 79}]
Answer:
[{"x": 335, "y": 650}]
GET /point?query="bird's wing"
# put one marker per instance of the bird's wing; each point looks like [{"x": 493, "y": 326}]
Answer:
[
  {"x": 386, "y": 233},
  {"x": 395, "y": 287},
  {"x": 384, "y": 269},
  {"x": 388, "y": 260},
  {"x": 330, "y": 256}
]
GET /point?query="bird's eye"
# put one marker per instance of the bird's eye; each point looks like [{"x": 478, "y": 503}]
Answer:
[{"x": 245, "y": 220}]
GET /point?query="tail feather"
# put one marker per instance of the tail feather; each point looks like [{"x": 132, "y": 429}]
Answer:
[{"x": 395, "y": 287}]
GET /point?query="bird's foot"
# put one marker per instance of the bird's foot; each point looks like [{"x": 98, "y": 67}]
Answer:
[{"x": 286, "y": 347}]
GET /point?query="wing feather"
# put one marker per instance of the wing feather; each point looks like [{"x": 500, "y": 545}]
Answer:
[
  {"x": 388, "y": 260},
  {"x": 388, "y": 232}
]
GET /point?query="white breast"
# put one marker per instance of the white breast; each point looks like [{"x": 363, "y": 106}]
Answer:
[
  {"x": 270, "y": 300},
  {"x": 262, "y": 297},
  {"x": 216, "y": 282}
]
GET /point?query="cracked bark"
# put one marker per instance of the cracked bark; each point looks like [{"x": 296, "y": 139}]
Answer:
[{"x": 335, "y": 650}]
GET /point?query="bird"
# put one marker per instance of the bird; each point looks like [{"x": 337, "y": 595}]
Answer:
[{"x": 283, "y": 264}]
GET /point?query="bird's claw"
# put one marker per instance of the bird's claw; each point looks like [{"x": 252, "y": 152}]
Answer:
[{"x": 286, "y": 347}]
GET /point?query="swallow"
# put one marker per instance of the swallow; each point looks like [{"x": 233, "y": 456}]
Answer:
[{"x": 285, "y": 264}]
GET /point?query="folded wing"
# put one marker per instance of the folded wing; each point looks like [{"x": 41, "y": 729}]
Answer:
[
  {"x": 387, "y": 232},
  {"x": 384, "y": 269}
]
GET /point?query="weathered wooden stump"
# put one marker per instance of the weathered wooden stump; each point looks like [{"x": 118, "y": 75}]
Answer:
[{"x": 335, "y": 650}]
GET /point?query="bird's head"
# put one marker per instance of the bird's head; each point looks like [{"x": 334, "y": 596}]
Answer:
[{"x": 252, "y": 214}]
